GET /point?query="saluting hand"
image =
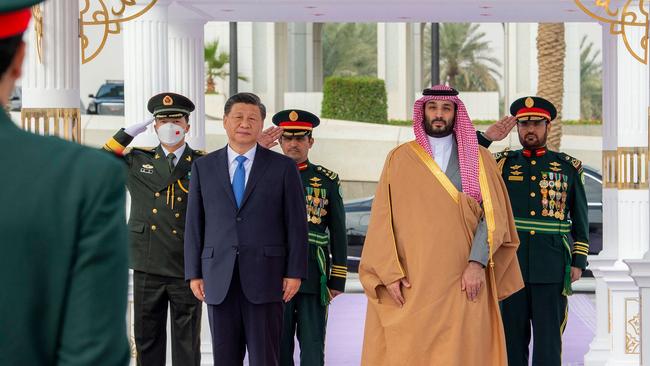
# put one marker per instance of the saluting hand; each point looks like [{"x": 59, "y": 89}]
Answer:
[
  {"x": 472, "y": 280},
  {"x": 290, "y": 287},
  {"x": 500, "y": 129},
  {"x": 395, "y": 291},
  {"x": 196, "y": 285},
  {"x": 269, "y": 137},
  {"x": 138, "y": 128}
]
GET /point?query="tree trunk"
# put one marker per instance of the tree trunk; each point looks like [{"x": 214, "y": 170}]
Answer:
[
  {"x": 550, "y": 59},
  {"x": 210, "y": 86}
]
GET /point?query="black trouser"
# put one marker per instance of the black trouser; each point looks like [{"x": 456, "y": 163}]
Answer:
[
  {"x": 546, "y": 308},
  {"x": 304, "y": 314},
  {"x": 151, "y": 296},
  {"x": 237, "y": 324}
]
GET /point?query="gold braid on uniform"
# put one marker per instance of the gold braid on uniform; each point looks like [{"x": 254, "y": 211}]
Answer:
[
  {"x": 170, "y": 191},
  {"x": 180, "y": 185}
]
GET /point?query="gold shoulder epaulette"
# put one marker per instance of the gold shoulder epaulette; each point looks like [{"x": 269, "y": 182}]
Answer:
[
  {"x": 328, "y": 173},
  {"x": 568, "y": 159},
  {"x": 502, "y": 154}
]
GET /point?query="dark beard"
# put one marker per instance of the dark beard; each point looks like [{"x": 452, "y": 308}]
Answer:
[
  {"x": 446, "y": 131},
  {"x": 532, "y": 146}
]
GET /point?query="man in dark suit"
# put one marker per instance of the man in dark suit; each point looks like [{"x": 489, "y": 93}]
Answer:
[
  {"x": 246, "y": 242},
  {"x": 63, "y": 245}
]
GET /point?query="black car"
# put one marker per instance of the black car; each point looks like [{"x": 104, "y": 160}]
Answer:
[
  {"x": 15, "y": 100},
  {"x": 108, "y": 100},
  {"x": 357, "y": 216}
]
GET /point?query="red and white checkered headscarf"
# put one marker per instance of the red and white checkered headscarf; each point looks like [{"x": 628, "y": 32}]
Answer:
[{"x": 465, "y": 137}]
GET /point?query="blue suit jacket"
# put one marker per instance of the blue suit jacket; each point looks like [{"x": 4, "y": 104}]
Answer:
[{"x": 267, "y": 235}]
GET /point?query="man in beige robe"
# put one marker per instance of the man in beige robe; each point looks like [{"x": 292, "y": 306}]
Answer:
[{"x": 441, "y": 247}]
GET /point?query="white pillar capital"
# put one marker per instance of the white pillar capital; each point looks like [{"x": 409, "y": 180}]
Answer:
[
  {"x": 146, "y": 71},
  {"x": 187, "y": 71},
  {"x": 54, "y": 83},
  {"x": 395, "y": 65}
]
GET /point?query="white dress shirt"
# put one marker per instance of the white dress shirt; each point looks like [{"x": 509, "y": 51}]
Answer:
[
  {"x": 441, "y": 148},
  {"x": 248, "y": 164},
  {"x": 178, "y": 153}
]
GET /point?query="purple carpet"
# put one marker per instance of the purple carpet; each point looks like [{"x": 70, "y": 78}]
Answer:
[{"x": 347, "y": 315}]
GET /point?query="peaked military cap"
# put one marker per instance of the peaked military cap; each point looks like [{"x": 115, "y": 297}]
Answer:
[
  {"x": 533, "y": 109},
  {"x": 296, "y": 122},
  {"x": 15, "y": 16},
  {"x": 170, "y": 105}
]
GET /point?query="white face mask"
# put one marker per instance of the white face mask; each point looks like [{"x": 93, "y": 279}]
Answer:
[{"x": 170, "y": 134}]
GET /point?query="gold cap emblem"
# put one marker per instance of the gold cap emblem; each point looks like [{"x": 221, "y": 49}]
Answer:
[
  {"x": 293, "y": 116},
  {"x": 529, "y": 102},
  {"x": 167, "y": 100}
]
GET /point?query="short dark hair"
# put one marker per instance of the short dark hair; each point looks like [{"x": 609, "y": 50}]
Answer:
[
  {"x": 8, "y": 48},
  {"x": 246, "y": 98}
]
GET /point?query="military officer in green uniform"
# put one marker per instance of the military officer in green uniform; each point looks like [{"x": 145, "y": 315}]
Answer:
[
  {"x": 158, "y": 181},
  {"x": 306, "y": 313},
  {"x": 63, "y": 235},
  {"x": 548, "y": 199}
]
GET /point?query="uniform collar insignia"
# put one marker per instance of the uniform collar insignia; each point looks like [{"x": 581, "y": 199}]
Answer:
[{"x": 534, "y": 153}]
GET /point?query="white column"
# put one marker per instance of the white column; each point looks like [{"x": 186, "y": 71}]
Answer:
[
  {"x": 55, "y": 82},
  {"x": 623, "y": 316},
  {"x": 571, "y": 100},
  {"x": 600, "y": 346},
  {"x": 146, "y": 71},
  {"x": 270, "y": 64},
  {"x": 625, "y": 194},
  {"x": 640, "y": 271},
  {"x": 395, "y": 67},
  {"x": 187, "y": 72},
  {"x": 304, "y": 43}
]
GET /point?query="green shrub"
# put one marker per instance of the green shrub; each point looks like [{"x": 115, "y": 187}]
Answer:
[{"x": 355, "y": 99}]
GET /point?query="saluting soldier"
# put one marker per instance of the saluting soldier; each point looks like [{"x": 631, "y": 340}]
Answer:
[
  {"x": 158, "y": 181},
  {"x": 306, "y": 313},
  {"x": 548, "y": 199}
]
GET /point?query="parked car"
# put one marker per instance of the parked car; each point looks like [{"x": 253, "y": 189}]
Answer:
[
  {"x": 357, "y": 216},
  {"x": 16, "y": 99},
  {"x": 108, "y": 100}
]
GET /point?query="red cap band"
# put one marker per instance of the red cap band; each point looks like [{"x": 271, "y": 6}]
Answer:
[
  {"x": 14, "y": 23},
  {"x": 295, "y": 124},
  {"x": 534, "y": 111}
]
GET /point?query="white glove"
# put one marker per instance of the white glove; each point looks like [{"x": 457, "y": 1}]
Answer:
[{"x": 138, "y": 128}]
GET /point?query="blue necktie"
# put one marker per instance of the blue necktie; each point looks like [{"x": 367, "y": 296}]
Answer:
[{"x": 239, "y": 180}]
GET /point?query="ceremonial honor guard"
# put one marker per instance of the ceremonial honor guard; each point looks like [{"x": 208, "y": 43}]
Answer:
[
  {"x": 306, "y": 313},
  {"x": 548, "y": 199},
  {"x": 158, "y": 181}
]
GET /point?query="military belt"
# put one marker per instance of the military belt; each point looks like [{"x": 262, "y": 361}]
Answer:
[
  {"x": 543, "y": 227},
  {"x": 320, "y": 240}
]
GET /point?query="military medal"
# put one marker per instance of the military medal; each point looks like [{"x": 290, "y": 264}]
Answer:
[{"x": 551, "y": 182}]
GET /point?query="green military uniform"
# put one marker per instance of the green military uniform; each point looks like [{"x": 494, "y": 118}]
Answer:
[
  {"x": 306, "y": 313},
  {"x": 63, "y": 239},
  {"x": 159, "y": 192},
  {"x": 548, "y": 200}
]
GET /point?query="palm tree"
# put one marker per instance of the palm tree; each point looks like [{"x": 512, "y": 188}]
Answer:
[
  {"x": 215, "y": 62},
  {"x": 591, "y": 83},
  {"x": 465, "y": 60},
  {"x": 550, "y": 59},
  {"x": 349, "y": 49}
]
